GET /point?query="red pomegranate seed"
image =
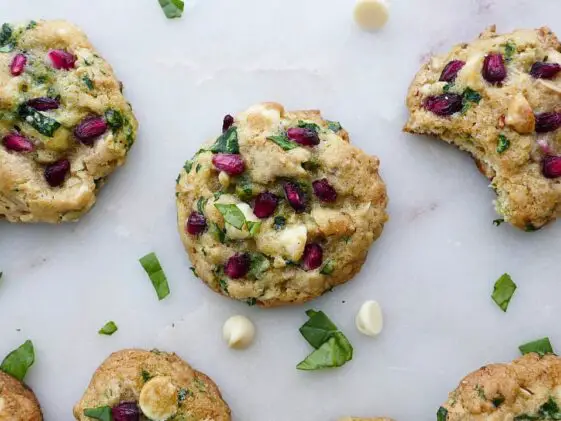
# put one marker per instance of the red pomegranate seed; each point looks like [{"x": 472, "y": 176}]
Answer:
[
  {"x": 18, "y": 64},
  {"x": 227, "y": 123},
  {"x": 541, "y": 70},
  {"x": 451, "y": 70},
  {"x": 237, "y": 266},
  {"x": 231, "y": 164},
  {"x": 196, "y": 223},
  {"x": 17, "y": 143},
  {"x": 324, "y": 191},
  {"x": 126, "y": 411},
  {"x": 445, "y": 104},
  {"x": 55, "y": 174},
  {"x": 548, "y": 122},
  {"x": 295, "y": 196},
  {"x": 89, "y": 129},
  {"x": 265, "y": 205},
  {"x": 303, "y": 136},
  {"x": 62, "y": 59},
  {"x": 551, "y": 166},
  {"x": 494, "y": 69},
  {"x": 43, "y": 103},
  {"x": 313, "y": 256}
]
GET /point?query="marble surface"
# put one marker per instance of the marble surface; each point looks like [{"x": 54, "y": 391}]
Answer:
[{"x": 432, "y": 270}]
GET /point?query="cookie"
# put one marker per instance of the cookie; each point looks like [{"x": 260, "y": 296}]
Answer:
[
  {"x": 498, "y": 99},
  {"x": 157, "y": 385},
  {"x": 64, "y": 123},
  {"x": 280, "y": 208},
  {"x": 526, "y": 389},
  {"x": 17, "y": 401}
]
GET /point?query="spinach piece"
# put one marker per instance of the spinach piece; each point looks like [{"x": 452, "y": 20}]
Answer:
[
  {"x": 102, "y": 413},
  {"x": 6, "y": 42},
  {"x": 309, "y": 126},
  {"x": 201, "y": 203},
  {"x": 108, "y": 329},
  {"x": 334, "y": 126},
  {"x": 328, "y": 268},
  {"x": 503, "y": 291},
  {"x": 540, "y": 347},
  {"x": 217, "y": 233},
  {"x": 244, "y": 188},
  {"x": 311, "y": 165},
  {"x": 152, "y": 266},
  {"x": 469, "y": 97},
  {"x": 40, "y": 122},
  {"x": 251, "y": 301},
  {"x": 498, "y": 401},
  {"x": 32, "y": 24},
  {"x": 19, "y": 360},
  {"x": 182, "y": 395},
  {"x": 442, "y": 414},
  {"x": 258, "y": 264},
  {"x": 192, "y": 269},
  {"x": 227, "y": 142},
  {"x": 447, "y": 87},
  {"x": 283, "y": 141},
  {"x": 548, "y": 411},
  {"x": 223, "y": 285},
  {"x": 510, "y": 50},
  {"x": 335, "y": 352},
  {"x": 279, "y": 222},
  {"x": 498, "y": 222},
  {"x": 172, "y": 8},
  {"x": 503, "y": 143},
  {"x": 146, "y": 376},
  {"x": 253, "y": 227},
  {"x": 188, "y": 165},
  {"x": 318, "y": 329},
  {"x": 232, "y": 215},
  {"x": 88, "y": 82},
  {"x": 114, "y": 118}
]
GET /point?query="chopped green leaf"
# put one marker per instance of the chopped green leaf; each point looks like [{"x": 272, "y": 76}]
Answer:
[
  {"x": 19, "y": 360},
  {"x": 194, "y": 271},
  {"x": 335, "y": 352},
  {"x": 227, "y": 142},
  {"x": 503, "y": 291},
  {"x": 182, "y": 395},
  {"x": 307, "y": 125},
  {"x": 244, "y": 188},
  {"x": 258, "y": 264},
  {"x": 334, "y": 126},
  {"x": 498, "y": 222},
  {"x": 447, "y": 87},
  {"x": 540, "y": 347},
  {"x": 469, "y": 97},
  {"x": 40, "y": 122},
  {"x": 114, "y": 118},
  {"x": 102, "y": 413},
  {"x": 510, "y": 50},
  {"x": 279, "y": 222},
  {"x": 318, "y": 329},
  {"x": 152, "y": 266},
  {"x": 442, "y": 414},
  {"x": 145, "y": 375},
  {"x": 548, "y": 411},
  {"x": 503, "y": 143},
  {"x": 188, "y": 165},
  {"x": 217, "y": 233},
  {"x": 223, "y": 285},
  {"x": 217, "y": 195},
  {"x": 32, "y": 24},
  {"x": 8, "y": 48},
  {"x": 88, "y": 82},
  {"x": 172, "y": 8},
  {"x": 311, "y": 165},
  {"x": 498, "y": 401},
  {"x": 232, "y": 215},
  {"x": 283, "y": 141},
  {"x": 108, "y": 329},
  {"x": 201, "y": 203},
  {"x": 5, "y": 34},
  {"x": 328, "y": 268},
  {"x": 198, "y": 167},
  {"x": 480, "y": 391},
  {"x": 253, "y": 227}
]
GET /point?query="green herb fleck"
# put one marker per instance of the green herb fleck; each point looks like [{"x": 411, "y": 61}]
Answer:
[
  {"x": 548, "y": 411},
  {"x": 480, "y": 392},
  {"x": 503, "y": 291},
  {"x": 335, "y": 352},
  {"x": 114, "y": 118},
  {"x": 251, "y": 301},
  {"x": 216, "y": 232},
  {"x": 279, "y": 222},
  {"x": 201, "y": 203},
  {"x": 145, "y": 375},
  {"x": 510, "y": 50},
  {"x": 232, "y": 215},
  {"x": 447, "y": 87},
  {"x": 253, "y": 227},
  {"x": 7, "y": 48},
  {"x": 198, "y": 168},
  {"x": 6, "y": 43},
  {"x": 258, "y": 265},
  {"x": 40, "y": 122},
  {"x": 32, "y": 24},
  {"x": 182, "y": 395},
  {"x": 530, "y": 228},
  {"x": 223, "y": 285},
  {"x": 172, "y": 8},
  {"x": 88, "y": 82},
  {"x": 283, "y": 141},
  {"x": 311, "y": 165},
  {"x": 328, "y": 268},
  {"x": 227, "y": 142},
  {"x": 188, "y": 165},
  {"x": 334, "y": 126},
  {"x": 442, "y": 414},
  {"x": 194, "y": 271},
  {"x": 498, "y": 222},
  {"x": 152, "y": 266},
  {"x": 19, "y": 360},
  {"x": 498, "y": 401},
  {"x": 503, "y": 143},
  {"x": 102, "y": 413},
  {"x": 217, "y": 195},
  {"x": 469, "y": 97},
  {"x": 309, "y": 126},
  {"x": 540, "y": 347},
  {"x": 108, "y": 329},
  {"x": 244, "y": 188}
]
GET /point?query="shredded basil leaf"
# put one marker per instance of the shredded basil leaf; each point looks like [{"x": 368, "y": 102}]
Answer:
[
  {"x": 334, "y": 126},
  {"x": 307, "y": 125},
  {"x": 146, "y": 376},
  {"x": 188, "y": 165},
  {"x": 227, "y": 142},
  {"x": 503, "y": 291},
  {"x": 108, "y": 329},
  {"x": 114, "y": 118},
  {"x": 40, "y": 122},
  {"x": 328, "y": 268},
  {"x": 510, "y": 50},
  {"x": 201, "y": 203},
  {"x": 318, "y": 329},
  {"x": 172, "y": 8},
  {"x": 19, "y": 360},
  {"x": 502, "y": 144},
  {"x": 335, "y": 352},
  {"x": 498, "y": 222},
  {"x": 447, "y": 87},
  {"x": 540, "y": 347},
  {"x": 102, "y": 413},
  {"x": 232, "y": 215},
  {"x": 469, "y": 97},
  {"x": 217, "y": 233},
  {"x": 88, "y": 82},
  {"x": 283, "y": 141},
  {"x": 152, "y": 266},
  {"x": 259, "y": 264},
  {"x": 244, "y": 188},
  {"x": 5, "y": 33},
  {"x": 223, "y": 285},
  {"x": 442, "y": 414},
  {"x": 253, "y": 227},
  {"x": 279, "y": 222}
]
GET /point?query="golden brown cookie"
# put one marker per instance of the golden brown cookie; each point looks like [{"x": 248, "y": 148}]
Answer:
[
  {"x": 154, "y": 384},
  {"x": 64, "y": 123},
  {"x": 280, "y": 208},
  {"x": 17, "y": 401},
  {"x": 498, "y": 99}
]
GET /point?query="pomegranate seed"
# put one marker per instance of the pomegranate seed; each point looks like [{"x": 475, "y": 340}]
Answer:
[
  {"x": 62, "y": 59},
  {"x": 89, "y": 129},
  {"x": 265, "y": 205},
  {"x": 295, "y": 196},
  {"x": 55, "y": 174},
  {"x": 227, "y": 123},
  {"x": 445, "y": 104},
  {"x": 237, "y": 266},
  {"x": 551, "y": 166},
  {"x": 17, "y": 143},
  {"x": 451, "y": 70},
  {"x": 196, "y": 223},
  {"x": 548, "y": 122},
  {"x": 18, "y": 64},
  {"x": 324, "y": 191},
  {"x": 43, "y": 104},
  {"x": 494, "y": 69},
  {"x": 126, "y": 411},
  {"x": 541, "y": 70},
  {"x": 313, "y": 256},
  {"x": 231, "y": 164},
  {"x": 303, "y": 136}
]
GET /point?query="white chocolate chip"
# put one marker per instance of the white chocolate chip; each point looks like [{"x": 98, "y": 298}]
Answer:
[
  {"x": 369, "y": 320},
  {"x": 158, "y": 398},
  {"x": 520, "y": 115},
  {"x": 238, "y": 332},
  {"x": 371, "y": 14},
  {"x": 224, "y": 179}
]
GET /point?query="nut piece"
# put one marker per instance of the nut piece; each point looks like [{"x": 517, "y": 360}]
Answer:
[
  {"x": 238, "y": 332},
  {"x": 158, "y": 398},
  {"x": 369, "y": 320},
  {"x": 371, "y": 14},
  {"x": 520, "y": 115}
]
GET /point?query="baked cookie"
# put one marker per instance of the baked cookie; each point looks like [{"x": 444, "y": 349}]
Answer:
[
  {"x": 64, "y": 123},
  {"x": 280, "y": 208},
  {"x": 151, "y": 385},
  {"x": 498, "y": 99},
  {"x": 17, "y": 401},
  {"x": 526, "y": 389}
]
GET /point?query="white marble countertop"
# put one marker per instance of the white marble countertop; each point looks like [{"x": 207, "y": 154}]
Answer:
[{"x": 432, "y": 270}]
